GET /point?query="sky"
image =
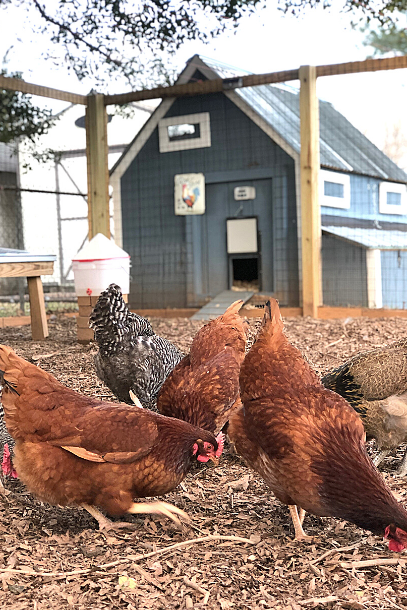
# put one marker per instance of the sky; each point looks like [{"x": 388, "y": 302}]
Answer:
[{"x": 265, "y": 42}]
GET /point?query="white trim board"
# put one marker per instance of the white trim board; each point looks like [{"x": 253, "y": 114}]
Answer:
[
  {"x": 388, "y": 208},
  {"x": 336, "y": 178},
  {"x": 203, "y": 141},
  {"x": 374, "y": 279}
]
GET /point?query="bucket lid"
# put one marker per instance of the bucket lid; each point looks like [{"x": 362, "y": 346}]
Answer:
[{"x": 100, "y": 248}]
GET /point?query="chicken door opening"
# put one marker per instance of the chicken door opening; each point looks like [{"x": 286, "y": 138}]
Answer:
[{"x": 245, "y": 274}]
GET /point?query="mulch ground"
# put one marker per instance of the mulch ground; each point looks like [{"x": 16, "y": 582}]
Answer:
[{"x": 73, "y": 565}]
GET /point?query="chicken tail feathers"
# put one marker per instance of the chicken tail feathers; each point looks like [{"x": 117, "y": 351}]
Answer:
[
  {"x": 272, "y": 316},
  {"x": 111, "y": 320},
  {"x": 234, "y": 308}
]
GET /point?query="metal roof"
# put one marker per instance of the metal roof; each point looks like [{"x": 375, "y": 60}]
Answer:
[
  {"x": 342, "y": 146},
  {"x": 380, "y": 239}
]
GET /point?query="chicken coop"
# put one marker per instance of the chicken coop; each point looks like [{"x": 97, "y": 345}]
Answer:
[
  {"x": 207, "y": 199},
  {"x": 244, "y": 182}
]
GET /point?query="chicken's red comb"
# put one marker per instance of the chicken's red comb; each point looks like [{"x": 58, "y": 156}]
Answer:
[{"x": 220, "y": 439}]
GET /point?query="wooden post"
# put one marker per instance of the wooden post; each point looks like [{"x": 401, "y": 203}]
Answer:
[
  {"x": 39, "y": 327},
  {"x": 98, "y": 172},
  {"x": 310, "y": 213}
]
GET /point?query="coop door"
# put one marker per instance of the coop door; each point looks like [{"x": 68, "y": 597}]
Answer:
[
  {"x": 241, "y": 235},
  {"x": 243, "y": 254}
]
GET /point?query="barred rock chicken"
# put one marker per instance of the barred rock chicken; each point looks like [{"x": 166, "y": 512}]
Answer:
[
  {"x": 74, "y": 450},
  {"x": 6, "y": 447},
  {"x": 375, "y": 385},
  {"x": 203, "y": 389},
  {"x": 131, "y": 356},
  {"x": 306, "y": 442}
]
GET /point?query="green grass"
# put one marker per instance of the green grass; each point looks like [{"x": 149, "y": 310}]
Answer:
[{"x": 13, "y": 309}]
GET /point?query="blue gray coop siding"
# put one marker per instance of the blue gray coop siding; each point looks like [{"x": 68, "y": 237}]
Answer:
[
  {"x": 344, "y": 275},
  {"x": 165, "y": 260},
  {"x": 394, "y": 278}
]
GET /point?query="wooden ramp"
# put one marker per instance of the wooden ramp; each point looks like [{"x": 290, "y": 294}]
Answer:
[{"x": 220, "y": 303}]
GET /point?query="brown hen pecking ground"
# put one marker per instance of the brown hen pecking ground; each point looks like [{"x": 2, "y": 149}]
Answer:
[{"x": 272, "y": 572}]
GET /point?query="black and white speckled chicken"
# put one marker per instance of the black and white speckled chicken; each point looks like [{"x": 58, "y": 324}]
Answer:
[
  {"x": 6, "y": 448},
  {"x": 131, "y": 356}
]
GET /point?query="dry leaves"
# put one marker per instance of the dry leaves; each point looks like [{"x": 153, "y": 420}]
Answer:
[{"x": 272, "y": 572}]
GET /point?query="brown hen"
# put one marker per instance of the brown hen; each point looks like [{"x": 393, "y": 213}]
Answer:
[
  {"x": 203, "y": 389},
  {"x": 74, "y": 450},
  {"x": 306, "y": 442}
]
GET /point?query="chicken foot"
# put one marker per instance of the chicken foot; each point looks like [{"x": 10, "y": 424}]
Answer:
[
  {"x": 298, "y": 518},
  {"x": 104, "y": 522},
  {"x": 159, "y": 508}
]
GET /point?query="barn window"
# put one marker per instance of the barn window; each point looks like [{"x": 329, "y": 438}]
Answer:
[
  {"x": 392, "y": 198},
  {"x": 184, "y": 132},
  {"x": 334, "y": 189}
]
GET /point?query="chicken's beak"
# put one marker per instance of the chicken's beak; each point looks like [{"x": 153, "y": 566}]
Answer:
[{"x": 214, "y": 459}]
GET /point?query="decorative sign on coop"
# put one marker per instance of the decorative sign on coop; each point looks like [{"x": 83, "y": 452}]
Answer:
[
  {"x": 244, "y": 193},
  {"x": 189, "y": 194}
]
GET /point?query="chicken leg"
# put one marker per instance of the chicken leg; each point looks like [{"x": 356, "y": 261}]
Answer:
[
  {"x": 298, "y": 518},
  {"x": 104, "y": 522},
  {"x": 402, "y": 470},
  {"x": 153, "y": 508}
]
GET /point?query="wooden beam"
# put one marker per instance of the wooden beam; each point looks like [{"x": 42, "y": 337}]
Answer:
[
  {"x": 215, "y": 85},
  {"x": 18, "y": 84},
  {"x": 368, "y": 65},
  {"x": 39, "y": 327},
  {"x": 310, "y": 215},
  {"x": 26, "y": 269},
  {"x": 97, "y": 163},
  {"x": 209, "y": 86}
]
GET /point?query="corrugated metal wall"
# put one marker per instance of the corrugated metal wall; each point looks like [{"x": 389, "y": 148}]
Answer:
[{"x": 161, "y": 245}]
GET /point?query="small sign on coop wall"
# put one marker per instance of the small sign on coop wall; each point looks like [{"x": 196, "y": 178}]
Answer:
[
  {"x": 244, "y": 193},
  {"x": 189, "y": 194}
]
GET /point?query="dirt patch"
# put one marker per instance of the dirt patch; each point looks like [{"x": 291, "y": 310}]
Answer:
[{"x": 80, "y": 567}]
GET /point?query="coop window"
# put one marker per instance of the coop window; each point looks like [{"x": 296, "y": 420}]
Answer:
[
  {"x": 184, "y": 132},
  {"x": 392, "y": 198},
  {"x": 334, "y": 190}
]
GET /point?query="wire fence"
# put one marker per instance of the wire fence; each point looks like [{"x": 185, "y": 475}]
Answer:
[
  {"x": 206, "y": 195},
  {"x": 363, "y": 195},
  {"x": 43, "y": 195}
]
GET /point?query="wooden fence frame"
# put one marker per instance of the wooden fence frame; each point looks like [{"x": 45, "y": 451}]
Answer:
[{"x": 97, "y": 146}]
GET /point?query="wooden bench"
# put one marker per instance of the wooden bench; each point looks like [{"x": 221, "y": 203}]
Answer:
[{"x": 17, "y": 263}]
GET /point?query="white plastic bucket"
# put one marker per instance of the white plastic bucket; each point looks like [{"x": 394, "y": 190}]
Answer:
[{"x": 93, "y": 276}]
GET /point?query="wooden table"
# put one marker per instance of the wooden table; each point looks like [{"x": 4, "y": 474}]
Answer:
[{"x": 18, "y": 263}]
